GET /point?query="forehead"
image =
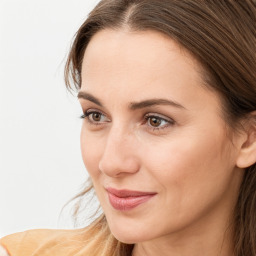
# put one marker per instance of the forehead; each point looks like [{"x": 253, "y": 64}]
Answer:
[
  {"x": 145, "y": 49},
  {"x": 144, "y": 64}
]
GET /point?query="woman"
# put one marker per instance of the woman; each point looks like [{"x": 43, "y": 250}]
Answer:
[{"x": 168, "y": 93}]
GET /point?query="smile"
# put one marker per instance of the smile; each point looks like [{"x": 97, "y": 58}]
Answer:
[{"x": 124, "y": 200}]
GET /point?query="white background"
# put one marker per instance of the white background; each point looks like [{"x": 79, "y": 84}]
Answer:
[{"x": 40, "y": 162}]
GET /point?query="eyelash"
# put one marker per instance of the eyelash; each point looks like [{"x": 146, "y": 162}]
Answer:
[
  {"x": 147, "y": 117},
  {"x": 87, "y": 114},
  {"x": 169, "y": 121}
]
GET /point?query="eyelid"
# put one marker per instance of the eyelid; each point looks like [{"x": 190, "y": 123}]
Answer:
[
  {"x": 169, "y": 123},
  {"x": 90, "y": 111},
  {"x": 165, "y": 118}
]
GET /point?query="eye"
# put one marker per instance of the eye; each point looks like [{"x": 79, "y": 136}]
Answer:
[
  {"x": 95, "y": 117},
  {"x": 155, "y": 121},
  {"x": 158, "y": 122}
]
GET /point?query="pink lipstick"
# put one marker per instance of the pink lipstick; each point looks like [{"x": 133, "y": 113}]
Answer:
[{"x": 124, "y": 200}]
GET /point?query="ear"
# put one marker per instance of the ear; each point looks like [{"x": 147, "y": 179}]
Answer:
[{"x": 247, "y": 149}]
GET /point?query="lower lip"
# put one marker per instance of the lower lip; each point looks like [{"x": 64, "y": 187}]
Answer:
[{"x": 127, "y": 203}]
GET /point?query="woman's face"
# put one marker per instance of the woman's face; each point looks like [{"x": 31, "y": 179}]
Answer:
[{"x": 153, "y": 140}]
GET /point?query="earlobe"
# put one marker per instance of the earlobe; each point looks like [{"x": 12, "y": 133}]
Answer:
[{"x": 247, "y": 154}]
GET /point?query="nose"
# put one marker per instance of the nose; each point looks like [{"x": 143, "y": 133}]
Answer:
[{"x": 119, "y": 156}]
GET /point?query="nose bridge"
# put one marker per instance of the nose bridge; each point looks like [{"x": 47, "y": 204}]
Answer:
[
  {"x": 119, "y": 155},
  {"x": 116, "y": 142}
]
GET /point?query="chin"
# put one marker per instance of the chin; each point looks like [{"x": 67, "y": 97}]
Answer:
[
  {"x": 128, "y": 238},
  {"x": 130, "y": 234}
]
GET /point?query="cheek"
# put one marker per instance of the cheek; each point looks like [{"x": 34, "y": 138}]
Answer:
[
  {"x": 91, "y": 149},
  {"x": 179, "y": 158},
  {"x": 189, "y": 153},
  {"x": 192, "y": 172}
]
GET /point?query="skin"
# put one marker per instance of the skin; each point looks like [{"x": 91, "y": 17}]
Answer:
[{"x": 187, "y": 158}]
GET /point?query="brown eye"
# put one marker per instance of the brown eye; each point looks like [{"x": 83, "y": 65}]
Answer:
[
  {"x": 155, "y": 121},
  {"x": 96, "y": 117}
]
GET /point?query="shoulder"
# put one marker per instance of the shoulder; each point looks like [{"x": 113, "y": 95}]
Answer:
[
  {"x": 3, "y": 252},
  {"x": 44, "y": 242}
]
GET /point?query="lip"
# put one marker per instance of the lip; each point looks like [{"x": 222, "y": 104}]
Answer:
[{"x": 124, "y": 200}]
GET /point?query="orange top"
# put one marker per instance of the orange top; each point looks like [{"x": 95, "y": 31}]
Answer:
[{"x": 45, "y": 242}]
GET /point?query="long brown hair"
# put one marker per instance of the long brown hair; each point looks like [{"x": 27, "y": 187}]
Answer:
[{"x": 221, "y": 34}]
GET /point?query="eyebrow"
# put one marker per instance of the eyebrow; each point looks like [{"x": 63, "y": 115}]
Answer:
[
  {"x": 133, "y": 105},
  {"x": 154, "y": 102},
  {"x": 90, "y": 97}
]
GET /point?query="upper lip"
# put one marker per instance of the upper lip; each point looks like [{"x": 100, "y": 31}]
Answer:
[{"x": 128, "y": 193}]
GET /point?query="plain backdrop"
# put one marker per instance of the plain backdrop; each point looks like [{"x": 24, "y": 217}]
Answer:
[{"x": 40, "y": 162}]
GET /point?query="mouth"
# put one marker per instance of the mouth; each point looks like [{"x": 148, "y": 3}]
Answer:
[{"x": 124, "y": 200}]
